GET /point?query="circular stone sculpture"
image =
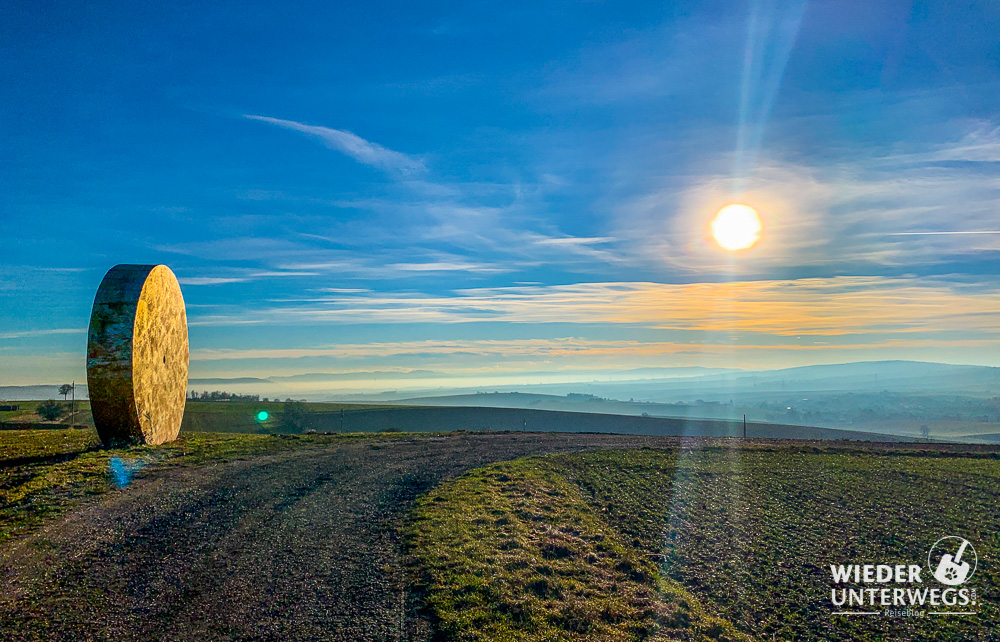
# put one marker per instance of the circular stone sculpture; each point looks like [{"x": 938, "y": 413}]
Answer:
[{"x": 137, "y": 356}]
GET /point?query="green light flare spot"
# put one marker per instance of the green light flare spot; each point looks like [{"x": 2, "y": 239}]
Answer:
[{"x": 262, "y": 415}]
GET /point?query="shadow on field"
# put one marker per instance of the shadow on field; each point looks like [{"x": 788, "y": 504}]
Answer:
[
  {"x": 45, "y": 459},
  {"x": 515, "y": 419}
]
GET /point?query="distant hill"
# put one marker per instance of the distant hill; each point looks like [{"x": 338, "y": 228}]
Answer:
[
  {"x": 340, "y": 376},
  {"x": 39, "y": 392},
  {"x": 892, "y": 375},
  {"x": 867, "y": 376},
  {"x": 670, "y": 385},
  {"x": 659, "y": 373},
  {"x": 665, "y": 384},
  {"x": 215, "y": 381},
  {"x": 517, "y": 419},
  {"x": 567, "y": 403},
  {"x": 908, "y": 398}
]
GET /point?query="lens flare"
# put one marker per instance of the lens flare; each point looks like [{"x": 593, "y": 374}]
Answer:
[
  {"x": 262, "y": 415},
  {"x": 122, "y": 471}
]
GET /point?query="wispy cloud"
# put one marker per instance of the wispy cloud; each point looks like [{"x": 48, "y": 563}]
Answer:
[
  {"x": 645, "y": 66},
  {"x": 362, "y": 266},
  {"x": 416, "y": 226},
  {"x": 349, "y": 143},
  {"x": 564, "y": 347},
  {"x": 830, "y": 307},
  {"x": 27, "y": 334},
  {"x": 858, "y": 214},
  {"x": 564, "y": 241},
  {"x": 241, "y": 276},
  {"x": 209, "y": 280},
  {"x": 981, "y": 145},
  {"x": 944, "y": 233},
  {"x": 447, "y": 266}
]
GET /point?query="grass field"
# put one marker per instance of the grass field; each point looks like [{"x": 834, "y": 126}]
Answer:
[
  {"x": 241, "y": 416},
  {"x": 199, "y": 416},
  {"x": 26, "y": 413},
  {"x": 710, "y": 543}
]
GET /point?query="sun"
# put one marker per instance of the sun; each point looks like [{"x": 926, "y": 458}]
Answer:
[{"x": 736, "y": 227}]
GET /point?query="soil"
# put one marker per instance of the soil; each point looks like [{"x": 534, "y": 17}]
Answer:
[{"x": 304, "y": 545}]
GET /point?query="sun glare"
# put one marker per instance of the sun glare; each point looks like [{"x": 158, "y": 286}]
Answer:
[{"x": 736, "y": 227}]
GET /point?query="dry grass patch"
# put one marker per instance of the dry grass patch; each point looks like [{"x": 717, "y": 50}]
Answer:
[{"x": 513, "y": 551}]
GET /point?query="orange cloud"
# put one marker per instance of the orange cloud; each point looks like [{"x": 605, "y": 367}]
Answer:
[
  {"x": 782, "y": 308},
  {"x": 558, "y": 348}
]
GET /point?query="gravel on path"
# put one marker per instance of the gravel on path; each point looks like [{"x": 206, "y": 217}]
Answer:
[{"x": 298, "y": 546}]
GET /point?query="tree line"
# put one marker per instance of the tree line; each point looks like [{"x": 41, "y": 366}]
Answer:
[{"x": 220, "y": 395}]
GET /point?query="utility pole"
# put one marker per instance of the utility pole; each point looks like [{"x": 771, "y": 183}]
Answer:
[
  {"x": 744, "y": 426},
  {"x": 72, "y": 414}
]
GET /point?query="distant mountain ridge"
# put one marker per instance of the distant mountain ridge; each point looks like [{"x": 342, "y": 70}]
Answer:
[
  {"x": 39, "y": 392},
  {"x": 654, "y": 384},
  {"x": 891, "y": 369}
]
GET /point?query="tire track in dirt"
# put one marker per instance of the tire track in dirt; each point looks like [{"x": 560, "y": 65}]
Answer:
[{"x": 299, "y": 546}]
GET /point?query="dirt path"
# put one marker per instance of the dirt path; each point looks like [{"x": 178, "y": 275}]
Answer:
[{"x": 300, "y": 546}]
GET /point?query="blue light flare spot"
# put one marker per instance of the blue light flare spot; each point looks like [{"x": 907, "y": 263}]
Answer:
[
  {"x": 122, "y": 471},
  {"x": 262, "y": 415}
]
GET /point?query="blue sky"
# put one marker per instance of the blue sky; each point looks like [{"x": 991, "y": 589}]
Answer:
[{"x": 429, "y": 193}]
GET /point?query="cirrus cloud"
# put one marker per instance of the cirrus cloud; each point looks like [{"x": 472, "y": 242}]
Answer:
[{"x": 349, "y": 143}]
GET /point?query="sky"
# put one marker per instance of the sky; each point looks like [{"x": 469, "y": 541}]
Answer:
[{"x": 405, "y": 194}]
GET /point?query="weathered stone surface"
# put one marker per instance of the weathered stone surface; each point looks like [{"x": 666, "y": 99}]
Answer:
[{"x": 137, "y": 356}]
